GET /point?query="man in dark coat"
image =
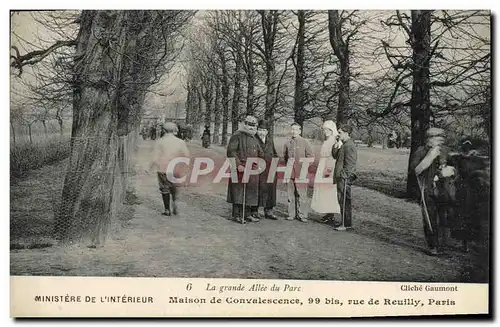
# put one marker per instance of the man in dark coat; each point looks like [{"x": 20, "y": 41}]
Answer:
[
  {"x": 242, "y": 145},
  {"x": 345, "y": 172},
  {"x": 267, "y": 191},
  {"x": 429, "y": 162}
]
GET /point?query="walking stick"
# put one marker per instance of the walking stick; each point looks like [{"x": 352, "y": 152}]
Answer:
[
  {"x": 426, "y": 212},
  {"x": 244, "y": 202},
  {"x": 342, "y": 227}
]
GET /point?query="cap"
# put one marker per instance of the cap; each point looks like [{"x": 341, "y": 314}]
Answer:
[
  {"x": 170, "y": 127},
  {"x": 263, "y": 124},
  {"x": 251, "y": 120}
]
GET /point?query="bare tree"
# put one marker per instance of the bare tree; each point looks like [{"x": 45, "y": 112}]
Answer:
[{"x": 109, "y": 46}]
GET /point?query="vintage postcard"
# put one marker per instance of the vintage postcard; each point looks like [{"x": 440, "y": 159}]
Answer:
[{"x": 250, "y": 163}]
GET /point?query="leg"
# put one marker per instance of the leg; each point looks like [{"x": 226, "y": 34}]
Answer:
[
  {"x": 431, "y": 237},
  {"x": 268, "y": 213},
  {"x": 173, "y": 192},
  {"x": 302, "y": 201},
  {"x": 291, "y": 200},
  {"x": 348, "y": 208},
  {"x": 340, "y": 198},
  {"x": 237, "y": 211},
  {"x": 165, "y": 192}
]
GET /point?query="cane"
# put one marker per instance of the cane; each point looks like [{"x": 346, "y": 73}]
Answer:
[
  {"x": 426, "y": 212},
  {"x": 244, "y": 202},
  {"x": 342, "y": 227}
]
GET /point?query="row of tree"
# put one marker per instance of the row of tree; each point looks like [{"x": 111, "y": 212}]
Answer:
[
  {"x": 376, "y": 70},
  {"x": 105, "y": 68},
  {"x": 369, "y": 68}
]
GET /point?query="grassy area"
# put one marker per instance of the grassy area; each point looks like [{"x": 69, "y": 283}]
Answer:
[
  {"x": 27, "y": 156},
  {"x": 382, "y": 170}
]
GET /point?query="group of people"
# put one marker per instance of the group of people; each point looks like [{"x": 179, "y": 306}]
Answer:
[
  {"x": 331, "y": 198},
  {"x": 336, "y": 164}
]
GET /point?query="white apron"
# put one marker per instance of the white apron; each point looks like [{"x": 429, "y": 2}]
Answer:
[{"x": 324, "y": 198}]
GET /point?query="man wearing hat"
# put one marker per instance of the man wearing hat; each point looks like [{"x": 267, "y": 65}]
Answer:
[
  {"x": 166, "y": 149},
  {"x": 429, "y": 164},
  {"x": 242, "y": 145},
  {"x": 267, "y": 191}
]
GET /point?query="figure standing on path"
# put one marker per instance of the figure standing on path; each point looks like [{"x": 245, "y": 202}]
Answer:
[
  {"x": 243, "y": 145},
  {"x": 296, "y": 148},
  {"x": 267, "y": 191},
  {"x": 165, "y": 150},
  {"x": 324, "y": 198},
  {"x": 345, "y": 173},
  {"x": 205, "y": 138},
  {"x": 429, "y": 163}
]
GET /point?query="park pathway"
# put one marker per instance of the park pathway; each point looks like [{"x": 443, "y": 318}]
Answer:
[{"x": 202, "y": 242}]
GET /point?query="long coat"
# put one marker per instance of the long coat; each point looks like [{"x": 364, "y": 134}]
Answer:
[
  {"x": 267, "y": 192},
  {"x": 243, "y": 145},
  {"x": 345, "y": 165}
]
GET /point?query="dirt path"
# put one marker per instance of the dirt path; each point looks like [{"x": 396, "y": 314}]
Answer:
[{"x": 386, "y": 244}]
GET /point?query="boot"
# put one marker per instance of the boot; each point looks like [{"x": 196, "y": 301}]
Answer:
[{"x": 166, "y": 204}]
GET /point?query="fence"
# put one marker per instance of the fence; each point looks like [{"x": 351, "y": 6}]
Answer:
[{"x": 77, "y": 200}]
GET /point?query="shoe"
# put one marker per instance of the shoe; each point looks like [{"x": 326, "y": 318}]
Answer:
[
  {"x": 271, "y": 216},
  {"x": 290, "y": 218},
  {"x": 326, "y": 219},
  {"x": 252, "y": 219},
  {"x": 302, "y": 219},
  {"x": 166, "y": 213}
]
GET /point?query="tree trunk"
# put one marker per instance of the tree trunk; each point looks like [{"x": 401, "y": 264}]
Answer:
[
  {"x": 208, "y": 96},
  {"x": 88, "y": 189},
  {"x": 341, "y": 51},
  {"x": 420, "y": 96},
  {"x": 61, "y": 126},
  {"x": 269, "y": 28},
  {"x": 198, "y": 118},
  {"x": 225, "y": 100},
  {"x": 217, "y": 112},
  {"x": 29, "y": 132},
  {"x": 250, "y": 79},
  {"x": 235, "y": 110},
  {"x": 343, "y": 112},
  {"x": 44, "y": 123},
  {"x": 13, "y": 132},
  {"x": 299, "y": 71}
]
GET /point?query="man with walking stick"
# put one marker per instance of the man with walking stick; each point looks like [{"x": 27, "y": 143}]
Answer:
[
  {"x": 428, "y": 163},
  {"x": 244, "y": 195},
  {"x": 344, "y": 174}
]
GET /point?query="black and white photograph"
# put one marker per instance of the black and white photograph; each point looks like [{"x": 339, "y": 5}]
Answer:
[{"x": 298, "y": 144}]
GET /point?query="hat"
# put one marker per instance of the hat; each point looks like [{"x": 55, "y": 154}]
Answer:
[
  {"x": 434, "y": 131},
  {"x": 170, "y": 127},
  {"x": 263, "y": 124},
  {"x": 331, "y": 126},
  {"x": 251, "y": 120}
]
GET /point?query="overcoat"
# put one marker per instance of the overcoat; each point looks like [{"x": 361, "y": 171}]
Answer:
[
  {"x": 241, "y": 146},
  {"x": 267, "y": 191}
]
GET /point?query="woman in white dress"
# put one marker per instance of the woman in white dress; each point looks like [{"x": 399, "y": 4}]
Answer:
[{"x": 324, "y": 198}]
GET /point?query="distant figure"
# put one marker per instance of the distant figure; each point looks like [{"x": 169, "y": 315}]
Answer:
[
  {"x": 205, "y": 138},
  {"x": 152, "y": 132},
  {"x": 392, "y": 139},
  {"x": 188, "y": 132},
  {"x": 165, "y": 149}
]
